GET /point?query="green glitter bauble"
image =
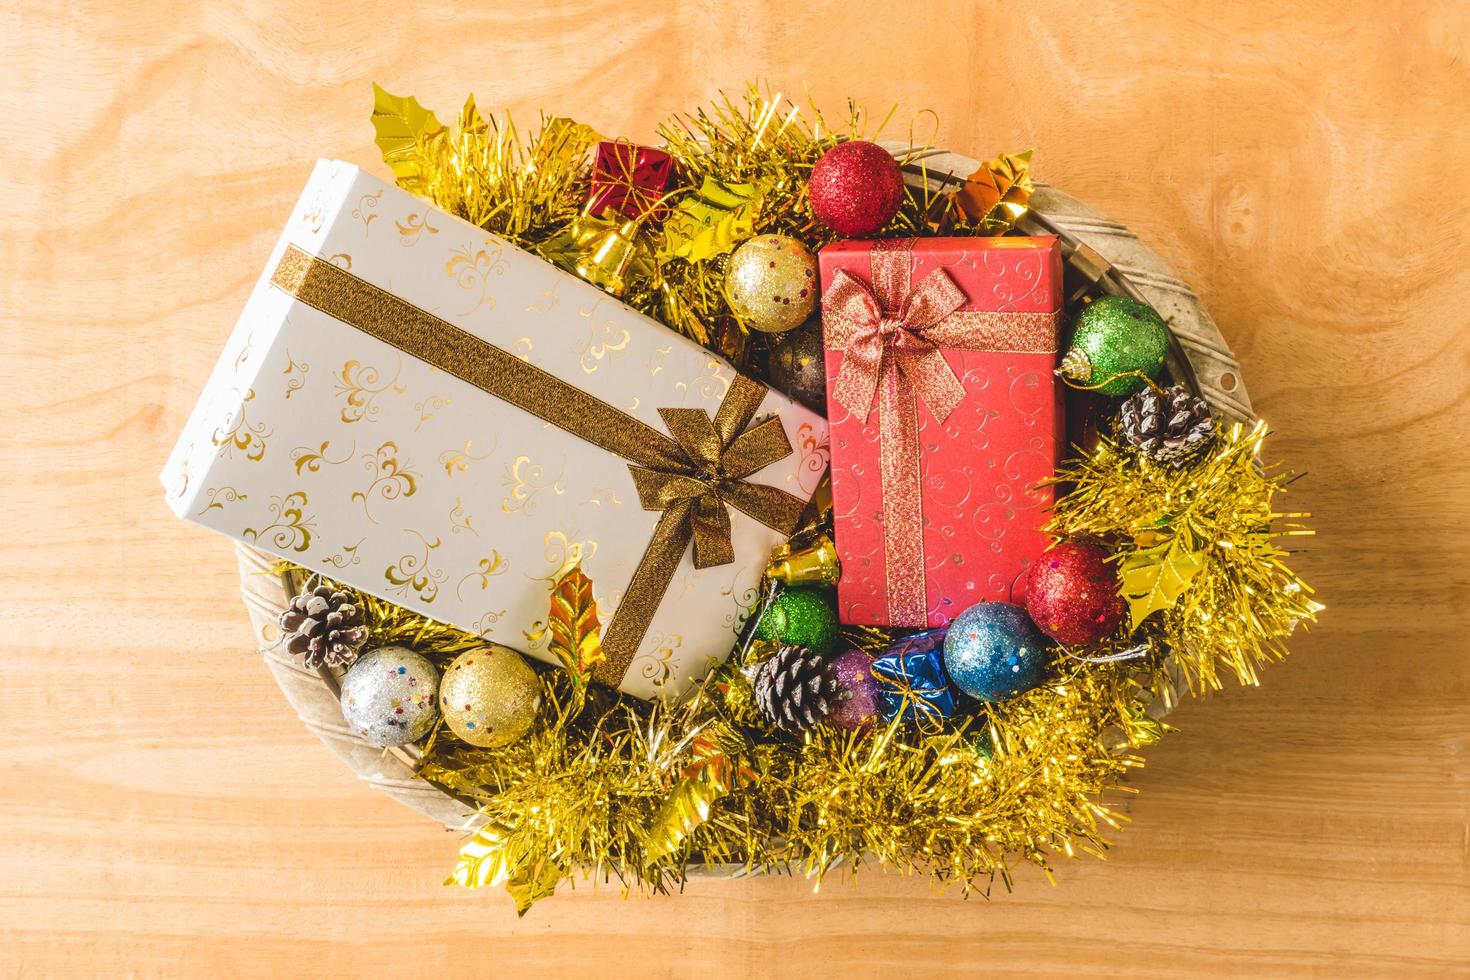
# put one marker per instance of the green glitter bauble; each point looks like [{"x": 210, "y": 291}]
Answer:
[
  {"x": 1116, "y": 335},
  {"x": 802, "y": 618}
]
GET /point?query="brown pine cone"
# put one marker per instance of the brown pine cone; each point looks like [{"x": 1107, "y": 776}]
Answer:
[
  {"x": 795, "y": 689},
  {"x": 1170, "y": 426},
  {"x": 324, "y": 626}
]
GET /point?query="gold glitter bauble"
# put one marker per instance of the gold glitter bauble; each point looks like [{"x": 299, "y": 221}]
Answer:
[
  {"x": 771, "y": 283},
  {"x": 489, "y": 696}
]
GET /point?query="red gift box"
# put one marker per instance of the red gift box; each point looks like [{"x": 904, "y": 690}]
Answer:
[
  {"x": 629, "y": 179},
  {"x": 944, "y": 415}
]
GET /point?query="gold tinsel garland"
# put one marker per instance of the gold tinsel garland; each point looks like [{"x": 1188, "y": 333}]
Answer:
[
  {"x": 740, "y": 163},
  {"x": 1199, "y": 545},
  {"x": 613, "y": 788}
]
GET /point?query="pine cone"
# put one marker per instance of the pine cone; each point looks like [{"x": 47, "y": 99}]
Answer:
[
  {"x": 1169, "y": 427},
  {"x": 325, "y": 626},
  {"x": 795, "y": 689}
]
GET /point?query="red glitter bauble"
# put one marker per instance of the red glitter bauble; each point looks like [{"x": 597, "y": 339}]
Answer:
[
  {"x": 856, "y": 188},
  {"x": 1072, "y": 593}
]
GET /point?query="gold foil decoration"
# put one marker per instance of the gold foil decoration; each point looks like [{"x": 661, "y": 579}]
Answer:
[
  {"x": 1154, "y": 578},
  {"x": 715, "y": 770},
  {"x": 404, "y": 128},
  {"x": 576, "y": 639},
  {"x": 484, "y": 863},
  {"x": 481, "y": 169},
  {"x": 996, "y": 195},
  {"x": 711, "y": 222},
  {"x": 606, "y": 262},
  {"x": 610, "y": 255}
]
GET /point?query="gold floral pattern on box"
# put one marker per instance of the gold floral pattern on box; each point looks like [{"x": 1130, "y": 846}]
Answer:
[
  {"x": 308, "y": 460},
  {"x": 217, "y": 497},
  {"x": 413, "y": 227},
  {"x": 471, "y": 270},
  {"x": 346, "y": 557},
  {"x": 458, "y": 460},
  {"x": 391, "y": 478},
  {"x": 238, "y": 433},
  {"x": 527, "y": 480},
  {"x": 487, "y": 569},
  {"x": 295, "y": 374},
  {"x": 360, "y": 385},
  {"x": 290, "y": 528},
  {"x": 413, "y": 572},
  {"x": 366, "y": 207}
]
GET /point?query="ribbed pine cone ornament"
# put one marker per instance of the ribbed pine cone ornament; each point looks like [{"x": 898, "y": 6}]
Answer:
[
  {"x": 325, "y": 627},
  {"x": 1168, "y": 426},
  {"x": 795, "y": 689}
]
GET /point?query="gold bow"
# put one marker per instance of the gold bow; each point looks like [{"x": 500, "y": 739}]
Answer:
[
  {"x": 719, "y": 456},
  {"x": 694, "y": 487},
  {"x": 692, "y": 478}
]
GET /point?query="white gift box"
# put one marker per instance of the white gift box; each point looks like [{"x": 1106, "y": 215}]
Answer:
[{"x": 327, "y": 435}]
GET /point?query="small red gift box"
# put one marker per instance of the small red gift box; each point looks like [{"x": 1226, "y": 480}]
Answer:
[
  {"x": 944, "y": 415},
  {"x": 629, "y": 179}
]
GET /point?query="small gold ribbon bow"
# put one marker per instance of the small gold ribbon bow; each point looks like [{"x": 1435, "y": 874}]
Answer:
[
  {"x": 719, "y": 456},
  {"x": 891, "y": 334}
]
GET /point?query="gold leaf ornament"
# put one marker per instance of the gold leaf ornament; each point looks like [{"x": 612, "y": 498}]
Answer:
[
  {"x": 482, "y": 860},
  {"x": 715, "y": 772},
  {"x": 997, "y": 194},
  {"x": 576, "y": 638},
  {"x": 711, "y": 222},
  {"x": 1154, "y": 578},
  {"x": 404, "y": 129},
  {"x": 485, "y": 862}
]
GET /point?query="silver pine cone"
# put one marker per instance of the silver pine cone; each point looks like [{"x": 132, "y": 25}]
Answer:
[
  {"x": 324, "y": 626},
  {"x": 1169, "y": 426},
  {"x": 795, "y": 689}
]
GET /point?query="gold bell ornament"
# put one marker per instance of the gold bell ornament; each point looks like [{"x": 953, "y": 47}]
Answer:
[
  {"x": 607, "y": 261},
  {"x": 814, "y": 564}
]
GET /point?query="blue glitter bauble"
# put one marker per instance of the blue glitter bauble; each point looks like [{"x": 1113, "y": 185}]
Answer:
[{"x": 994, "y": 652}]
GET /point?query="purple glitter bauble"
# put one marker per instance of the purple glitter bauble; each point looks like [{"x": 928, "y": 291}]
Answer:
[{"x": 858, "y": 711}]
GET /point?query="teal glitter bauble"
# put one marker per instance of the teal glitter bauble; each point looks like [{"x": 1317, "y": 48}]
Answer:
[
  {"x": 1114, "y": 335},
  {"x": 801, "y": 618},
  {"x": 993, "y": 652}
]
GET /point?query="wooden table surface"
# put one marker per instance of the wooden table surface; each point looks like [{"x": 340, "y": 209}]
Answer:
[{"x": 1303, "y": 165}]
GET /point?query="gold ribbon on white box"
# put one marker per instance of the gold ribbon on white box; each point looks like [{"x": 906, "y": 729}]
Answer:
[{"x": 692, "y": 476}]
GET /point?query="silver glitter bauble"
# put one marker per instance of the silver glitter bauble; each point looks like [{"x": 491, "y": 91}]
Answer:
[
  {"x": 771, "y": 283},
  {"x": 490, "y": 696},
  {"x": 388, "y": 696}
]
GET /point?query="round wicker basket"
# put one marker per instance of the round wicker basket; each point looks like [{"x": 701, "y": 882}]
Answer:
[{"x": 1101, "y": 255}]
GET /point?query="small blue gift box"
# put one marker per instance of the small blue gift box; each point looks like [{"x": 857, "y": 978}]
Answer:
[{"x": 911, "y": 679}]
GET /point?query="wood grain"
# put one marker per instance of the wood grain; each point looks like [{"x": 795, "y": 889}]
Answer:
[{"x": 1302, "y": 165}]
